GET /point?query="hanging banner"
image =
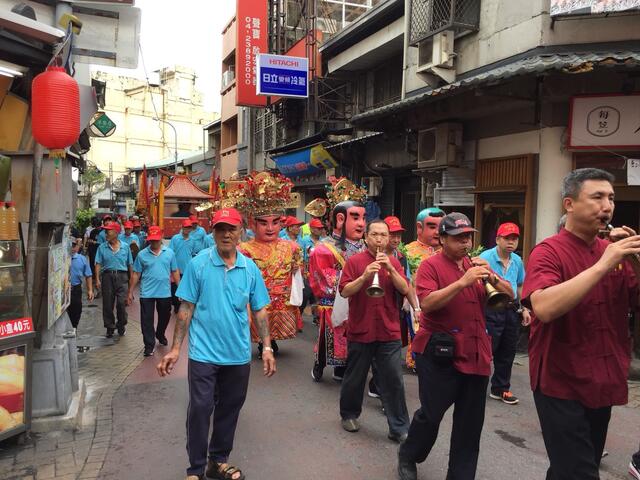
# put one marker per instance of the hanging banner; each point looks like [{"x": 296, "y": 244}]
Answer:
[
  {"x": 283, "y": 76},
  {"x": 252, "y": 34},
  {"x": 305, "y": 162},
  {"x": 591, "y": 7}
]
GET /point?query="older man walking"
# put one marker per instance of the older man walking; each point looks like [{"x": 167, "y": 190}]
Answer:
[{"x": 219, "y": 345}]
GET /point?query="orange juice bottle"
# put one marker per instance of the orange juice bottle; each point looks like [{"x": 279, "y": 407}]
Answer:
[
  {"x": 4, "y": 230},
  {"x": 12, "y": 221}
]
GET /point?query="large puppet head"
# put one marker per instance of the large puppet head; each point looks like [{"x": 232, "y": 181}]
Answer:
[
  {"x": 427, "y": 223},
  {"x": 267, "y": 227},
  {"x": 349, "y": 220},
  {"x": 263, "y": 197}
]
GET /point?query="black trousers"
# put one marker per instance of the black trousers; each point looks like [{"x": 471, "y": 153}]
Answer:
[
  {"x": 504, "y": 328},
  {"x": 307, "y": 296},
  {"x": 574, "y": 437},
  {"x": 174, "y": 300},
  {"x": 441, "y": 386},
  {"x": 114, "y": 292},
  {"x": 225, "y": 388},
  {"x": 388, "y": 360},
  {"x": 75, "y": 306},
  {"x": 149, "y": 333},
  {"x": 636, "y": 457}
]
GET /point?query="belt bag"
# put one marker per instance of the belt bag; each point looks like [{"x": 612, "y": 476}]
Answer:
[{"x": 442, "y": 345}]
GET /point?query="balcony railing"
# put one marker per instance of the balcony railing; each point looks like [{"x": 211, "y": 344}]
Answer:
[{"x": 429, "y": 17}]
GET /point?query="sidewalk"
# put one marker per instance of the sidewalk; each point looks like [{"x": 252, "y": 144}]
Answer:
[{"x": 104, "y": 367}]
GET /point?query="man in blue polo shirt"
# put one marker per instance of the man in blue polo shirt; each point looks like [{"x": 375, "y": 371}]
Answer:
[
  {"x": 113, "y": 268},
  {"x": 155, "y": 266},
  {"x": 504, "y": 326},
  {"x": 183, "y": 245},
  {"x": 80, "y": 270},
  {"x": 215, "y": 290},
  {"x": 197, "y": 234}
]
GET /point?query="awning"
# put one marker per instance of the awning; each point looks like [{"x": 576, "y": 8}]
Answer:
[
  {"x": 304, "y": 162},
  {"x": 534, "y": 64}
]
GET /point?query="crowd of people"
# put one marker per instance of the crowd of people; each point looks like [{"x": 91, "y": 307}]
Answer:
[{"x": 370, "y": 296}]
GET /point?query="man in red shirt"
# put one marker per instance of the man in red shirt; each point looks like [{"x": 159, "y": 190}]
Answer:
[
  {"x": 453, "y": 351},
  {"x": 373, "y": 333},
  {"x": 581, "y": 290}
]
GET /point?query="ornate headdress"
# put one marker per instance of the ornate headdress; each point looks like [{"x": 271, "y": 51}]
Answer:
[
  {"x": 342, "y": 190},
  {"x": 266, "y": 193}
]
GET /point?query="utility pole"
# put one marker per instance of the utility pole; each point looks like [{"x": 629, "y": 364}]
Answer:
[{"x": 175, "y": 138}]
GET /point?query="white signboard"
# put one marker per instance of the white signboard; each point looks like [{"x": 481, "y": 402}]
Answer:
[
  {"x": 282, "y": 76},
  {"x": 609, "y": 121},
  {"x": 633, "y": 171}
]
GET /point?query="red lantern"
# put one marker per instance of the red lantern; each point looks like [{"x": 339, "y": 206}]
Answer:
[{"x": 55, "y": 109}]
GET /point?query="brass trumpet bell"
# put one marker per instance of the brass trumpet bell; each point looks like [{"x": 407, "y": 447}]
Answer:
[
  {"x": 375, "y": 290},
  {"x": 496, "y": 300}
]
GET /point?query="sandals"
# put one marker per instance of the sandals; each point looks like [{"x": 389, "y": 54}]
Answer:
[{"x": 227, "y": 473}]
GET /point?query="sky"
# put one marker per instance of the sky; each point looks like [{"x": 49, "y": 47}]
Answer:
[{"x": 184, "y": 32}]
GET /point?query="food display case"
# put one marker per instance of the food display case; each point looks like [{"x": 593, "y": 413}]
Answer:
[{"x": 16, "y": 343}]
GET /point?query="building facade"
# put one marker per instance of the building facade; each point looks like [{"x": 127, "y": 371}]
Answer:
[{"x": 146, "y": 116}]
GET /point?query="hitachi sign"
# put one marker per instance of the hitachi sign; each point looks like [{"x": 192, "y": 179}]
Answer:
[{"x": 283, "y": 62}]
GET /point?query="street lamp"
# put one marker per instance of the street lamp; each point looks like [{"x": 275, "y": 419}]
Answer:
[{"x": 175, "y": 137}]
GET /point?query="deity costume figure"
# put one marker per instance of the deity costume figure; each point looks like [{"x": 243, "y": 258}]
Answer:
[
  {"x": 426, "y": 245},
  {"x": 266, "y": 196},
  {"x": 348, "y": 220}
]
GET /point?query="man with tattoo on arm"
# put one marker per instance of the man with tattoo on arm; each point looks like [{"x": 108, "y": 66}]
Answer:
[{"x": 215, "y": 290}]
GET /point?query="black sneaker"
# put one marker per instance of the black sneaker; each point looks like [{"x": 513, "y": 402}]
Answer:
[
  {"x": 634, "y": 469},
  {"x": 316, "y": 372},
  {"x": 505, "y": 396},
  {"x": 148, "y": 352},
  {"x": 110, "y": 332},
  {"x": 162, "y": 340},
  {"x": 122, "y": 331},
  {"x": 406, "y": 469},
  {"x": 373, "y": 390}
]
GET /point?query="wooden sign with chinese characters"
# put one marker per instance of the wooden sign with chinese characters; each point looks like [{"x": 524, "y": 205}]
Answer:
[
  {"x": 604, "y": 121},
  {"x": 18, "y": 326}
]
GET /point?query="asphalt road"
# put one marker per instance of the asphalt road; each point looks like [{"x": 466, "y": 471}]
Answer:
[{"x": 290, "y": 429}]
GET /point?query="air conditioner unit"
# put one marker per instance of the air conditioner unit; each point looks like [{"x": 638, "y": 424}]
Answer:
[
  {"x": 436, "y": 56},
  {"x": 373, "y": 186},
  {"x": 440, "y": 146},
  {"x": 227, "y": 78}
]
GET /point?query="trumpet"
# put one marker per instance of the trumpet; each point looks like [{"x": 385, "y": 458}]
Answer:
[
  {"x": 495, "y": 300},
  {"x": 375, "y": 290}
]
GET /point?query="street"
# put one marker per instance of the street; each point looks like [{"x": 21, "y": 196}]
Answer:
[{"x": 289, "y": 428}]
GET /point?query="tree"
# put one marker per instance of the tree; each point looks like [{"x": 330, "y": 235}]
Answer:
[
  {"x": 83, "y": 219},
  {"x": 93, "y": 181}
]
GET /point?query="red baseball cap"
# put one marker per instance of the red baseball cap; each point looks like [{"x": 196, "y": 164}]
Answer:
[
  {"x": 292, "y": 221},
  {"x": 507, "y": 229},
  {"x": 112, "y": 226},
  {"x": 230, "y": 216},
  {"x": 194, "y": 219},
  {"x": 394, "y": 224},
  {"x": 187, "y": 223},
  {"x": 136, "y": 223},
  {"x": 316, "y": 223},
  {"x": 128, "y": 224},
  {"x": 155, "y": 233}
]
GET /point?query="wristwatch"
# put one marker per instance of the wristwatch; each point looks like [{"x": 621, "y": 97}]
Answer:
[
  {"x": 417, "y": 309},
  {"x": 267, "y": 349}
]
